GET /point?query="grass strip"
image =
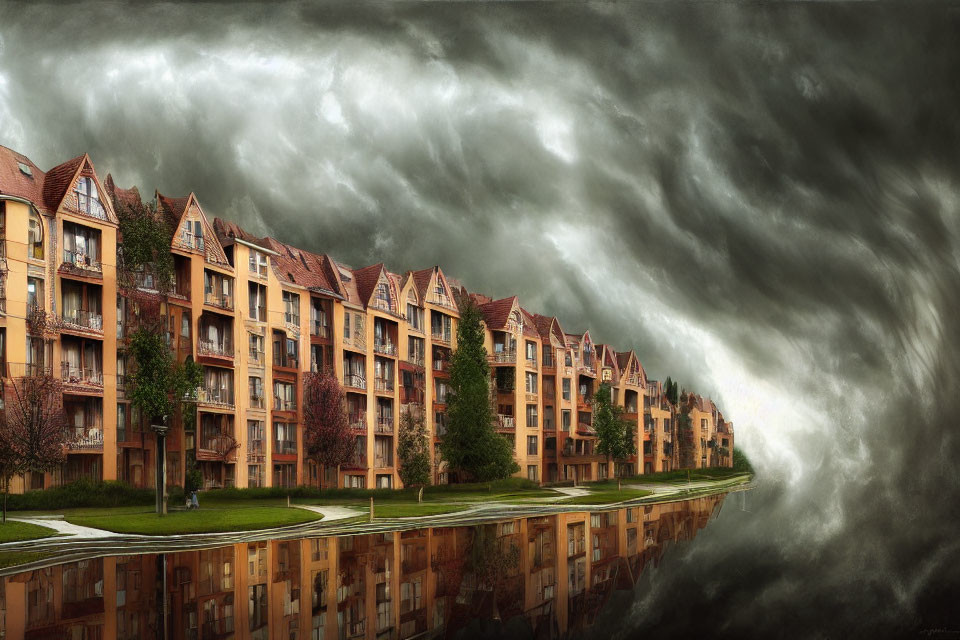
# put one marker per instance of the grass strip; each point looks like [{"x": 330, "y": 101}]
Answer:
[
  {"x": 13, "y": 531},
  {"x": 13, "y": 558},
  {"x": 607, "y": 496},
  {"x": 199, "y": 521}
]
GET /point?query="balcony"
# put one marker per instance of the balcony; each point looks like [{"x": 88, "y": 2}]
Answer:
[
  {"x": 28, "y": 370},
  {"x": 383, "y": 385},
  {"x": 280, "y": 404},
  {"x": 442, "y": 366},
  {"x": 357, "y": 422},
  {"x": 320, "y": 329},
  {"x": 85, "y": 376},
  {"x": 218, "y": 299},
  {"x": 215, "y": 349},
  {"x": 215, "y": 397},
  {"x": 81, "y": 260},
  {"x": 506, "y": 423},
  {"x": 503, "y": 357},
  {"x": 256, "y": 453},
  {"x": 84, "y": 439},
  {"x": 192, "y": 241},
  {"x": 356, "y": 462},
  {"x": 531, "y": 363},
  {"x": 634, "y": 380},
  {"x": 440, "y": 337},
  {"x": 385, "y": 348},
  {"x": 291, "y": 319},
  {"x": 84, "y": 319},
  {"x": 285, "y": 447},
  {"x": 354, "y": 380},
  {"x": 384, "y": 424}
]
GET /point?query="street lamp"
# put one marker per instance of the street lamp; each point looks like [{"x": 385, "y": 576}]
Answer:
[{"x": 161, "y": 431}]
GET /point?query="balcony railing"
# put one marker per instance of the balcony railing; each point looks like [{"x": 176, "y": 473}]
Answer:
[
  {"x": 357, "y": 462},
  {"x": 382, "y": 462},
  {"x": 285, "y": 447},
  {"x": 504, "y": 357},
  {"x": 256, "y": 401},
  {"x": 441, "y": 365},
  {"x": 79, "y": 439},
  {"x": 440, "y": 337},
  {"x": 440, "y": 397},
  {"x": 358, "y": 422},
  {"x": 219, "y": 397},
  {"x": 217, "y": 299},
  {"x": 81, "y": 375},
  {"x": 506, "y": 422},
  {"x": 280, "y": 404},
  {"x": 192, "y": 241},
  {"x": 354, "y": 380},
  {"x": 319, "y": 329},
  {"x": 85, "y": 319},
  {"x": 213, "y": 348},
  {"x": 532, "y": 362},
  {"x": 383, "y": 384},
  {"x": 416, "y": 359},
  {"x": 28, "y": 370},
  {"x": 384, "y": 424},
  {"x": 292, "y": 319},
  {"x": 385, "y": 348},
  {"x": 255, "y": 451},
  {"x": 634, "y": 380},
  {"x": 81, "y": 260}
]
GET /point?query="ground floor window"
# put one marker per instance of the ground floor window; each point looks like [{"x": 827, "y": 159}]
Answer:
[
  {"x": 255, "y": 475},
  {"x": 355, "y": 482},
  {"x": 284, "y": 475},
  {"x": 602, "y": 472},
  {"x": 384, "y": 482},
  {"x": 532, "y": 472}
]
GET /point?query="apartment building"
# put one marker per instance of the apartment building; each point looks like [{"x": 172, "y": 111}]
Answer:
[{"x": 258, "y": 315}]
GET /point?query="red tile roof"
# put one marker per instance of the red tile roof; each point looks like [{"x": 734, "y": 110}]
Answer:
[
  {"x": 497, "y": 313},
  {"x": 367, "y": 279},
  {"x": 228, "y": 231},
  {"x": 13, "y": 182},
  {"x": 126, "y": 197},
  {"x": 58, "y": 180},
  {"x": 421, "y": 281}
]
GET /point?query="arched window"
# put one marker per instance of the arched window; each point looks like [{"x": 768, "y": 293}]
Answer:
[
  {"x": 87, "y": 198},
  {"x": 35, "y": 237}
]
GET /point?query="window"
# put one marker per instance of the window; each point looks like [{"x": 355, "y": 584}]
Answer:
[
  {"x": 531, "y": 383},
  {"x": 531, "y": 352},
  {"x": 256, "y": 348},
  {"x": 547, "y": 355},
  {"x": 256, "y": 392},
  {"x": 81, "y": 246},
  {"x": 285, "y": 438},
  {"x": 415, "y": 317},
  {"x": 531, "y": 445},
  {"x": 284, "y": 396},
  {"x": 291, "y": 308},
  {"x": 565, "y": 418},
  {"x": 255, "y": 438},
  {"x": 602, "y": 470},
  {"x": 217, "y": 290},
  {"x": 383, "y": 296},
  {"x": 185, "y": 325},
  {"x": 532, "y": 416},
  {"x": 566, "y": 389},
  {"x": 87, "y": 200},
  {"x": 258, "y": 263},
  {"x": 416, "y": 350},
  {"x": 441, "y": 326},
  {"x": 35, "y": 237},
  {"x": 532, "y": 472},
  {"x": 346, "y": 326},
  {"x": 440, "y": 290},
  {"x": 258, "y": 301},
  {"x": 319, "y": 323},
  {"x": 567, "y": 360},
  {"x": 34, "y": 293}
]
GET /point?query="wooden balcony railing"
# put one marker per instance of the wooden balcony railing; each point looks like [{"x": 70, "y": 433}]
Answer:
[
  {"x": 385, "y": 348},
  {"x": 354, "y": 380},
  {"x": 85, "y": 319},
  {"x": 84, "y": 438},
  {"x": 81, "y": 375},
  {"x": 503, "y": 357},
  {"x": 81, "y": 260}
]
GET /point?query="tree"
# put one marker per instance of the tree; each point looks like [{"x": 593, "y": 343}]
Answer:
[
  {"x": 471, "y": 446},
  {"x": 740, "y": 461},
  {"x": 413, "y": 448},
  {"x": 159, "y": 383},
  {"x": 614, "y": 433},
  {"x": 670, "y": 389},
  {"x": 685, "y": 433},
  {"x": 33, "y": 429},
  {"x": 327, "y": 438},
  {"x": 145, "y": 245}
]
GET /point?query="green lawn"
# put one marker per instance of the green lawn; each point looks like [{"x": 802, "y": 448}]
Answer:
[
  {"x": 15, "y": 531},
  {"x": 13, "y": 558},
  {"x": 204, "y": 520},
  {"x": 405, "y": 510},
  {"x": 607, "y": 496}
]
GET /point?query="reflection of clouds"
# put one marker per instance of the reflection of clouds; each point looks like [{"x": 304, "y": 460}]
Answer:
[{"x": 761, "y": 202}]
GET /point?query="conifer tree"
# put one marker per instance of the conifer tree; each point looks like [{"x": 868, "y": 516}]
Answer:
[
  {"x": 471, "y": 446},
  {"x": 614, "y": 433}
]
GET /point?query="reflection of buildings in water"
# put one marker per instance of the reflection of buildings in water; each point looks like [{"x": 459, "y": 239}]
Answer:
[{"x": 555, "y": 571}]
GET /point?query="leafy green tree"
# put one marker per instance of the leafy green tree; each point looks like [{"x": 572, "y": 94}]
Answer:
[
  {"x": 145, "y": 244},
  {"x": 471, "y": 446},
  {"x": 160, "y": 384},
  {"x": 614, "y": 433},
  {"x": 671, "y": 389},
  {"x": 413, "y": 448}
]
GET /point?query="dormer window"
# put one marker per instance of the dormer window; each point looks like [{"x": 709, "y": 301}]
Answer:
[
  {"x": 193, "y": 234},
  {"x": 440, "y": 290},
  {"x": 258, "y": 263},
  {"x": 88, "y": 201}
]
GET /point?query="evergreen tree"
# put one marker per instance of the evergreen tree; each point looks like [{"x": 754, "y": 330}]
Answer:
[
  {"x": 471, "y": 446},
  {"x": 413, "y": 448},
  {"x": 614, "y": 433}
]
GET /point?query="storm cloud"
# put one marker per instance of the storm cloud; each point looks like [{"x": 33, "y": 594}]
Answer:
[{"x": 762, "y": 200}]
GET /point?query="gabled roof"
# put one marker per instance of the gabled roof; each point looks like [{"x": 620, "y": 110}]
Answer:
[
  {"x": 125, "y": 197},
  {"x": 58, "y": 180},
  {"x": 529, "y": 326},
  {"x": 302, "y": 268},
  {"x": 367, "y": 279},
  {"x": 497, "y": 313},
  {"x": 549, "y": 329},
  {"x": 14, "y": 182},
  {"x": 174, "y": 210},
  {"x": 228, "y": 232}
]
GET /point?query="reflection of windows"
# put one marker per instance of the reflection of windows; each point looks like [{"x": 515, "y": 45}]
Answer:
[{"x": 35, "y": 237}]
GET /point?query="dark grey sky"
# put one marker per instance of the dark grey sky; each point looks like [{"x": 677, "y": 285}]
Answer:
[{"x": 761, "y": 199}]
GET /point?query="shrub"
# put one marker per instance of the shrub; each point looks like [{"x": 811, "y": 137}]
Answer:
[{"x": 82, "y": 493}]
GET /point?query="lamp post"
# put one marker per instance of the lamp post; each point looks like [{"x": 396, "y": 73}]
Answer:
[{"x": 161, "y": 431}]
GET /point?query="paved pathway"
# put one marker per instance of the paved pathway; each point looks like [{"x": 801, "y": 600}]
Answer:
[
  {"x": 63, "y": 527},
  {"x": 574, "y": 492},
  {"x": 331, "y": 512}
]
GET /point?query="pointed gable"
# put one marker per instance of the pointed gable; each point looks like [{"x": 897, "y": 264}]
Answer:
[
  {"x": 499, "y": 313},
  {"x": 433, "y": 287},
  {"x": 21, "y": 178},
  {"x": 73, "y": 187},
  {"x": 191, "y": 229}
]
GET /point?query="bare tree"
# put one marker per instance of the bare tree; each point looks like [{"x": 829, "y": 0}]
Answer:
[
  {"x": 33, "y": 434},
  {"x": 327, "y": 438}
]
